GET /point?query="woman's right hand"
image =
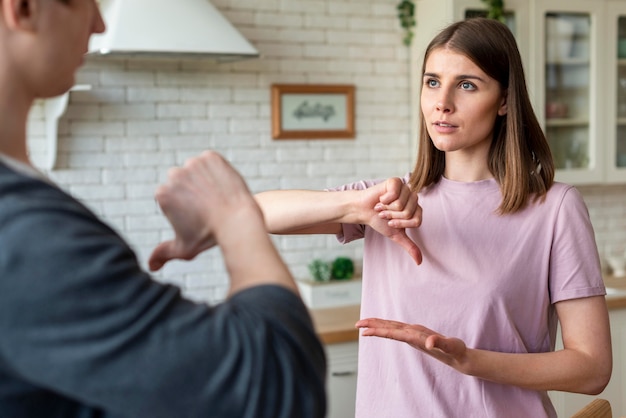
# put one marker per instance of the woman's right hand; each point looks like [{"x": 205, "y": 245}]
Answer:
[{"x": 394, "y": 207}]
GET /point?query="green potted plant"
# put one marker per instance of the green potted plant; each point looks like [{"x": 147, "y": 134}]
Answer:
[
  {"x": 495, "y": 9},
  {"x": 406, "y": 15},
  {"x": 320, "y": 270},
  {"x": 331, "y": 283},
  {"x": 342, "y": 268}
]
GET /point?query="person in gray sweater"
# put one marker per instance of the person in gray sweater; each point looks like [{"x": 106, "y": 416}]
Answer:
[{"x": 84, "y": 331}]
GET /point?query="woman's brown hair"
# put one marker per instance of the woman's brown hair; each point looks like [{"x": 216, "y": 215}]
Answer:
[{"x": 519, "y": 156}]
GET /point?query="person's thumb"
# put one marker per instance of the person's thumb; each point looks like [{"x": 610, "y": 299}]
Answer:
[
  {"x": 402, "y": 239},
  {"x": 163, "y": 253}
]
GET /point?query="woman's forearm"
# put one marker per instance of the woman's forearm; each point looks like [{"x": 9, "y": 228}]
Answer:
[
  {"x": 307, "y": 211},
  {"x": 564, "y": 370},
  {"x": 584, "y": 365},
  {"x": 261, "y": 264}
]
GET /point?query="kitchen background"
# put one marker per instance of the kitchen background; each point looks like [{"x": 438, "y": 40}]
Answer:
[{"x": 144, "y": 115}]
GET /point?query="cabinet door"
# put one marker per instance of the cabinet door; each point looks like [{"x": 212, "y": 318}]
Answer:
[
  {"x": 565, "y": 60},
  {"x": 341, "y": 379},
  {"x": 615, "y": 61}
]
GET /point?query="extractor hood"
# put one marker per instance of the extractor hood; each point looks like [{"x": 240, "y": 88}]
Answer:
[{"x": 166, "y": 27}]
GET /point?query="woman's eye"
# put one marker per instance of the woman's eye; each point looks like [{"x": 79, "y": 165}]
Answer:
[
  {"x": 432, "y": 83},
  {"x": 466, "y": 85}
]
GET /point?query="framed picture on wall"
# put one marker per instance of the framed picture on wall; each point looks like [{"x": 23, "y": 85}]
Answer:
[{"x": 309, "y": 111}]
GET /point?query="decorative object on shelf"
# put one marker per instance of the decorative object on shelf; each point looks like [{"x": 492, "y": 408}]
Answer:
[
  {"x": 330, "y": 294},
  {"x": 320, "y": 270},
  {"x": 495, "y": 9},
  {"x": 302, "y": 111},
  {"x": 342, "y": 268},
  {"x": 332, "y": 284},
  {"x": 556, "y": 110},
  {"x": 406, "y": 15}
]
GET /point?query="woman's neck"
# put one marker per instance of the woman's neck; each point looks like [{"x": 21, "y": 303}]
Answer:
[{"x": 465, "y": 168}]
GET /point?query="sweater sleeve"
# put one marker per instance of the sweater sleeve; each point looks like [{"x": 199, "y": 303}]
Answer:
[{"x": 80, "y": 318}]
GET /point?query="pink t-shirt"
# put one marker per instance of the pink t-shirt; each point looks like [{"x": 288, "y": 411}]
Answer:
[{"x": 490, "y": 280}]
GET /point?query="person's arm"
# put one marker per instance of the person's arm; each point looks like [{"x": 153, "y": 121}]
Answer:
[
  {"x": 388, "y": 207},
  {"x": 207, "y": 202},
  {"x": 584, "y": 364},
  {"x": 85, "y": 325}
]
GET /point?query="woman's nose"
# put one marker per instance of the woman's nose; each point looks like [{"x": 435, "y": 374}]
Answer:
[{"x": 443, "y": 104}]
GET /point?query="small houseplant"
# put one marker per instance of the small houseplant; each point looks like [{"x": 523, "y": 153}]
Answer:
[
  {"x": 320, "y": 270},
  {"x": 341, "y": 268},
  {"x": 495, "y": 9},
  {"x": 406, "y": 15}
]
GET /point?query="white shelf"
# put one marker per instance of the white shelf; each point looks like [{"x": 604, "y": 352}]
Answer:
[
  {"x": 54, "y": 108},
  {"x": 566, "y": 122}
]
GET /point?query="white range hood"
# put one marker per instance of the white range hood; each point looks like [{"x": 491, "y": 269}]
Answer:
[{"x": 157, "y": 27}]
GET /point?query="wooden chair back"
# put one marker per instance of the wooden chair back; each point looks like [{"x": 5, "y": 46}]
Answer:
[{"x": 598, "y": 408}]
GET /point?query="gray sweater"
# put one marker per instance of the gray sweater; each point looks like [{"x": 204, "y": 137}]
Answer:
[{"x": 85, "y": 332}]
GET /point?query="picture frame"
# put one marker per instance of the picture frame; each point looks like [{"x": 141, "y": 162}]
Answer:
[{"x": 312, "y": 111}]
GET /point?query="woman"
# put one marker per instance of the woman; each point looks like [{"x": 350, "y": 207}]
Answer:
[{"x": 506, "y": 252}]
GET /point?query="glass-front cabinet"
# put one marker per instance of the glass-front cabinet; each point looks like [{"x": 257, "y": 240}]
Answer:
[
  {"x": 579, "y": 86},
  {"x": 616, "y": 77},
  {"x": 567, "y": 92},
  {"x": 567, "y": 87}
]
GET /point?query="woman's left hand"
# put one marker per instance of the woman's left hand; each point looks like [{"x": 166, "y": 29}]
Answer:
[
  {"x": 390, "y": 207},
  {"x": 451, "y": 351}
]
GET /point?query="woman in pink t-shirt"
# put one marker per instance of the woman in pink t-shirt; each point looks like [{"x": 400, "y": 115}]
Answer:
[{"x": 498, "y": 252}]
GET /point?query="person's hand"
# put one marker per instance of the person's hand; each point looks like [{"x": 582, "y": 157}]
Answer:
[
  {"x": 201, "y": 200},
  {"x": 395, "y": 208},
  {"x": 451, "y": 351}
]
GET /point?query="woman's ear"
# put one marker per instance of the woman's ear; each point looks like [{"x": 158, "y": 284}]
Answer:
[
  {"x": 19, "y": 14},
  {"x": 503, "y": 104}
]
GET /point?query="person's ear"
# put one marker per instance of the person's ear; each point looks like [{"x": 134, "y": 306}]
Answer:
[
  {"x": 503, "y": 105},
  {"x": 19, "y": 14}
]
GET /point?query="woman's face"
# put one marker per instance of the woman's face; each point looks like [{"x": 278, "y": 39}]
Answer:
[{"x": 459, "y": 103}]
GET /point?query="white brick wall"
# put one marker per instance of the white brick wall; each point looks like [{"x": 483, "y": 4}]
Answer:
[
  {"x": 117, "y": 140},
  {"x": 142, "y": 116}
]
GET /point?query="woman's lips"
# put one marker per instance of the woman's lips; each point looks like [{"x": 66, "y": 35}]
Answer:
[{"x": 444, "y": 127}]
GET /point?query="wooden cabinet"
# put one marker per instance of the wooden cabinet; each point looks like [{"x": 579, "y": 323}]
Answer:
[
  {"x": 576, "y": 76},
  {"x": 341, "y": 379}
]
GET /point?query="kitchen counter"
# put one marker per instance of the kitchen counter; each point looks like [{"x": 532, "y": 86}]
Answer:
[{"x": 336, "y": 325}]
